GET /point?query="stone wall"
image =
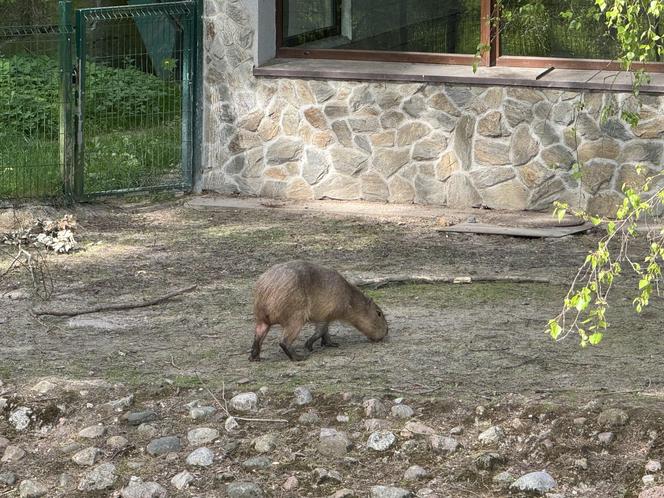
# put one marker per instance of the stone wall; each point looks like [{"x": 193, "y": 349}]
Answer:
[{"x": 505, "y": 148}]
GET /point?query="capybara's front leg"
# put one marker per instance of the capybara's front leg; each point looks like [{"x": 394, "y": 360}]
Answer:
[
  {"x": 261, "y": 331},
  {"x": 326, "y": 340},
  {"x": 291, "y": 331}
]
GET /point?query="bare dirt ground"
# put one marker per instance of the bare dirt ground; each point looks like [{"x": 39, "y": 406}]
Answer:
[{"x": 469, "y": 356}]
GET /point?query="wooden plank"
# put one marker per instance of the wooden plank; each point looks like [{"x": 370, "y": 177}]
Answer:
[{"x": 545, "y": 232}]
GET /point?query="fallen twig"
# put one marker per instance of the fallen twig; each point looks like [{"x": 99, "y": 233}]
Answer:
[
  {"x": 224, "y": 405},
  {"x": 377, "y": 283},
  {"x": 116, "y": 307}
]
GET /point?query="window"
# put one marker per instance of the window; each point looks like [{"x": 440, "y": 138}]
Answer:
[{"x": 533, "y": 33}]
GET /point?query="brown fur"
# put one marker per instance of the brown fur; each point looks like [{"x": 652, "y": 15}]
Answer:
[{"x": 294, "y": 293}]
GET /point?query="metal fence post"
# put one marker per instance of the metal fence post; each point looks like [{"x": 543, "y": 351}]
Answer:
[
  {"x": 66, "y": 137},
  {"x": 79, "y": 163}
]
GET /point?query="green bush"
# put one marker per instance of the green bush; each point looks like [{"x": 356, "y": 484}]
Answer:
[{"x": 117, "y": 98}]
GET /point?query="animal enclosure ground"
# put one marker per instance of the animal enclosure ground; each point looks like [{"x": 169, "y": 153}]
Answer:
[{"x": 451, "y": 347}]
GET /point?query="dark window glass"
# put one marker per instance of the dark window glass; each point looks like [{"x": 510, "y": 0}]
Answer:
[
  {"x": 542, "y": 28},
  {"x": 431, "y": 26}
]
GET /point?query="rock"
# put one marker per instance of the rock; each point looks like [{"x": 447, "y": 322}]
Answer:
[
  {"x": 339, "y": 187},
  {"x": 86, "y": 457},
  {"x": 410, "y": 133},
  {"x": 579, "y": 421},
  {"x": 117, "y": 442},
  {"x": 612, "y": 417},
  {"x": 7, "y": 478},
  {"x": 13, "y": 454},
  {"x": 387, "y": 161},
  {"x": 257, "y": 462},
  {"x": 381, "y": 440},
  {"x": 66, "y": 481},
  {"x": 163, "y": 445},
  {"x": 374, "y": 408},
  {"x": 455, "y": 431},
  {"x": 503, "y": 479},
  {"x": 523, "y": 146},
  {"x": 389, "y": 492},
  {"x": 376, "y": 424},
  {"x": 429, "y": 148},
  {"x": 138, "y": 418},
  {"x": 581, "y": 463},
  {"x": 648, "y": 480},
  {"x": 655, "y": 492},
  {"x": 492, "y": 152},
  {"x": 4, "y": 442},
  {"x": 490, "y": 125},
  {"x": 344, "y": 493},
  {"x": 244, "y": 402},
  {"x": 283, "y": 150},
  {"x": 265, "y": 443},
  {"x": 290, "y": 484},
  {"x": 333, "y": 443},
  {"x": 92, "y": 432},
  {"x": 344, "y": 419},
  {"x": 244, "y": 489},
  {"x": 200, "y": 412},
  {"x": 302, "y": 396},
  {"x": 606, "y": 438},
  {"x": 535, "y": 482},
  {"x": 604, "y": 148},
  {"x": 462, "y": 145},
  {"x": 461, "y": 192},
  {"x": 653, "y": 466},
  {"x": 20, "y": 418},
  {"x": 182, "y": 480},
  {"x": 202, "y": 436},
  {"x": 43, "y": 387},
  {"x": 99, "y": 478},
  {"x": 489, "y": 460},
  {"x": 402, "y": 411},
  {"x": 321, "y": 476},
  {"x": 231, "y": 424},
  {"x": 31, "y": 489},
  {"x": 147, "y": 430},
  {"x": 415, "y": 473},
  {"x": 417, "y": 427},
  {"x": 492, "y": 435},
  {"x": 309, "y": 418},
  {"x": 201, "y": 457},
  {"x": 517, "y": 112},
  {"x": 442, "y": 444},
  {"x": 120, "y": 404},
  {"x": 139, "y": 489}
]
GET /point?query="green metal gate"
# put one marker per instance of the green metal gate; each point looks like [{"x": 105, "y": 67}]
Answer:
[{"x": 123, "y": 118}]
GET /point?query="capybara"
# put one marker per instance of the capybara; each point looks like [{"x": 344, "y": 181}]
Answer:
[{"x": 294, "y": 293}]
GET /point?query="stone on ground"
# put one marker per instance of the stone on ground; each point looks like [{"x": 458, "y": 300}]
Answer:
[
  {"x": 402, "y": 411},
  {"x": 265, "y": 443},
  {"x": 374, "y": 408},
  {"x": 43, "y": 387},
  {"x": 381, "y": 440},
  {"x": 92, "y": 432},
  {"x": 244, "y": 402},
  {"x": 244, "y": 489},
  {"x": 139, "y": 489},
  {"x": 138, "y": 418},
  {"x": 87, "y": 457},
  {"x": 654, "y": 492},
  {"x": 389, "y": 492},
  {"x": 20, "y": 418},
  {"x": 31, "y": 489},
  {"x": 290, "y": 484},
  {"x": 117, "y": 442},
  {"x": 201, "y": 457},
  {"x": 163, "y": 445},
  {"x": 612, "y": 417},
  {"x": 492, "y": 435},
  {"x": 606, "y": 438},
  {"x": 302, "y": 396},
  {"x": 7, "y": 478},
  {"x": 443, "y": 444},
  {"x": 653, "y": 466},
  {"x": 333, "y": 443},
  {"x": 202, "y": 435},
  {"x": 309, "y": 418},
  {"x": 182, "y": 480},
  {"x": 257, "y": 462},
  {"x": 99, "y": 478},
  {"x": 535, "y": 482},
  {"x": 415, "y": 473},
  {"x": 321, "y": 476},
  {"x": 12, "y": 454}
]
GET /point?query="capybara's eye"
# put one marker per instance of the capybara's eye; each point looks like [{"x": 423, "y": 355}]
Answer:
[{"x": 379, "y": 313}]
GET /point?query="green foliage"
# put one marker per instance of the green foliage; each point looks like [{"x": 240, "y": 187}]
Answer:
[
  {"x": 584, "y": 307},
  {"x": 29, "y": 95}
]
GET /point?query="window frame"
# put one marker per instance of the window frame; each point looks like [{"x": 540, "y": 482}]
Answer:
[{"x": 488, "y": 37}]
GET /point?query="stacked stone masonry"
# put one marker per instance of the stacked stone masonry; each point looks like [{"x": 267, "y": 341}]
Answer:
[{"x": 460, "y": 146}]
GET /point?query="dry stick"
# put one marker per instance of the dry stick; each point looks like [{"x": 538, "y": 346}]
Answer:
[
  {"x": 117, "y": 307},
  {"x": 377, "y": 283},
  {"x": 224, "y": 406}
]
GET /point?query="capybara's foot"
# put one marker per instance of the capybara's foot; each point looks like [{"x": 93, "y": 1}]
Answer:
[
  {"x": 291, "y": 353},
  {"x": 330, "y": 344},
  {"x": 254, "y": 358},
  {"x": 310, "y": 343}
]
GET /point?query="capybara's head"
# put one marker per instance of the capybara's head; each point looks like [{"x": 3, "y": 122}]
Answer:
[{"x": 371, "y": 320}]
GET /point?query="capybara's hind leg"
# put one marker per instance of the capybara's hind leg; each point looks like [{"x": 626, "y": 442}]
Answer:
[
  {"x": 326, "y": 340},
  {"x": 291, "y": 331},
  {"x": 262, "y": 329},
  {"x": 321, "y": 329}
]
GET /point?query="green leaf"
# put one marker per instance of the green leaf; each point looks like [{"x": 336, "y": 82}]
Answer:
[
  {"x": 595, "y": 338},
  {"x": 554, "y": 329}
]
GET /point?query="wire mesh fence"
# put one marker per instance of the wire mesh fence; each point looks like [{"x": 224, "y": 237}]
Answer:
[
  {"x": 103, "y": 105},
  {"x": 29, "y": 111}
]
